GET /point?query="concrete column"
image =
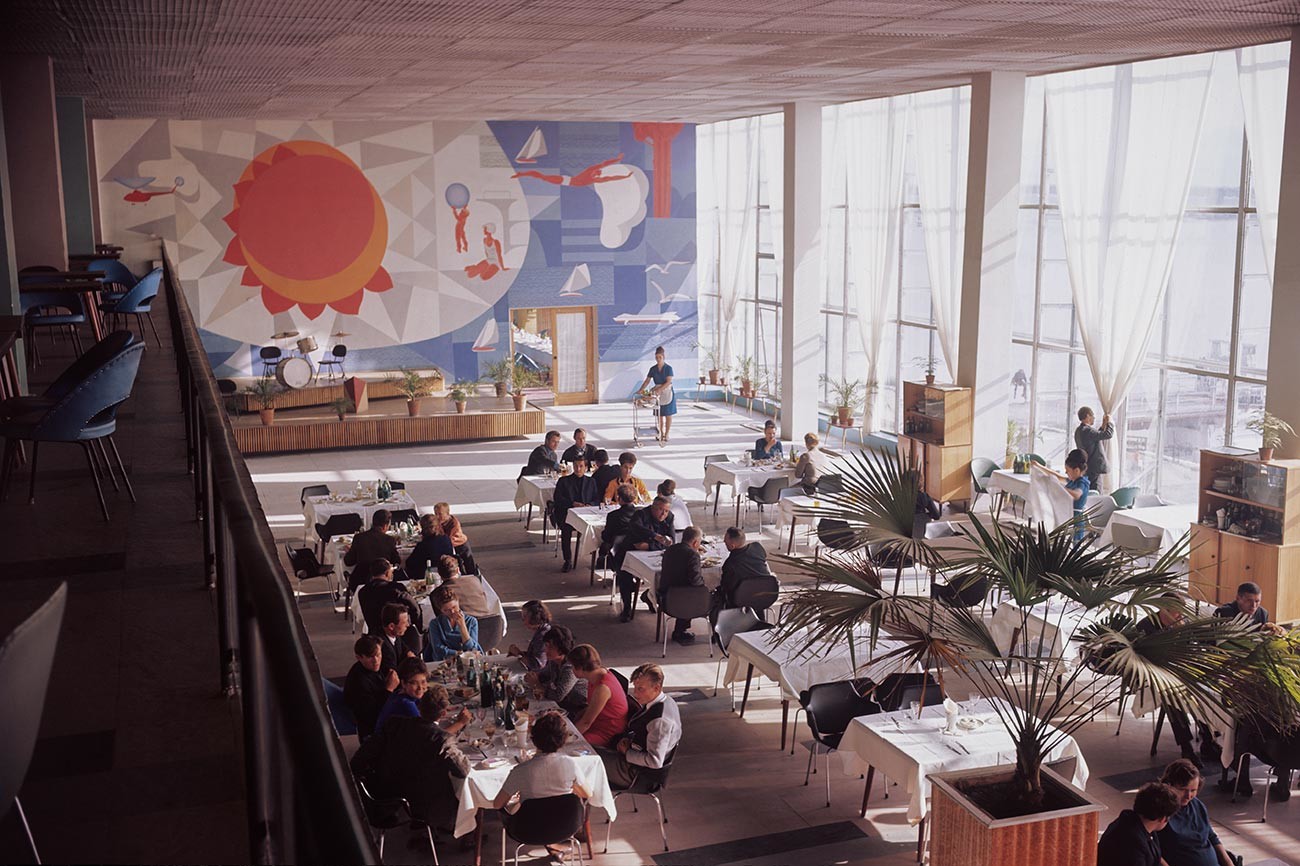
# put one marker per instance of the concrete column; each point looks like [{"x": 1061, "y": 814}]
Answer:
[
  {"x": 989, "y": 266},
  {"x": 9, "y": 305},
  {"x": 801, "y": 270},
  {"x": 92, "y": 172},
  {"x": 1283, "y": 397},
  {"x": 74, "y": 169},
  {"x": 31, "y": 134}
]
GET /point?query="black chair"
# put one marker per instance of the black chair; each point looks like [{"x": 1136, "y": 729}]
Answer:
[
  {"x": 834, "y": 535},
  {"x": 627, "y": 687},
  {"x": 545, "y": 821},
  {"x": 1273, "y": 750},
  {"x": 899, "y": 690},
  {"x": 828, "y": 484},
  {"x": 731, "y": 622},
  {"x": 305, "y": 566},
  {"x": 229, "y": 389},
  {"x": 270, "y": 356},
  {"x": 313, "y": 490},
  {"x": 961, "y": 591},
  {"x": 758, "y": 594},
  {"x": 404, "y": 515},
  {"x": 397, "y": 485},
  {"x": 338, "y": 524},
  {"x": 683, "y": 602},
  {"x": 768, "y": 494},
  {"x": 333, "y": 359},
  {"x": 830, "y": 707},
  {"x": 651, "y": 783},
  {"x": 389, "y": 813},
  {"x": 490, "y": 631}
]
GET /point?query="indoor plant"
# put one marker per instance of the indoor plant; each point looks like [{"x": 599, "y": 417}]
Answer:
[
  {"x": 341, "y": 406},
  {"x": 711, "y": 360},
  {"x": 412, "y": 386},
  {"x": 460, "y": 394},
  {"x": 1270, "y": 429},
  {"x": 500, "y": 372},
  {"x": 744, "y": 371},
  {"x": 1191, "y": 667},
  {"x": 846, "y": 394},
  {"x": 520, "y": 378},
  {"x": 264, "y": 391},
  {"x": 927, "y": 363}
]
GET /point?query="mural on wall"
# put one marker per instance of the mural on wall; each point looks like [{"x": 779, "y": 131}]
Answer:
[{"x": 416, "y": 240}]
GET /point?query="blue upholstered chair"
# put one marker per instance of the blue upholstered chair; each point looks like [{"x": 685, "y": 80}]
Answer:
[
  {"x": 117, "y": 279},
  {"x": 138, "y": 302},
  {"x": 52, "y": 310}
]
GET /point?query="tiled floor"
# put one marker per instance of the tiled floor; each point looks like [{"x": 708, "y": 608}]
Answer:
[{"x": 734, "y": 797}]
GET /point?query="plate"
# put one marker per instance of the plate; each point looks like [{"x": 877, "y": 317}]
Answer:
[{"x": 970, "y": 723}]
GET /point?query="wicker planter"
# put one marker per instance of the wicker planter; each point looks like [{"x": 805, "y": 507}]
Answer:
[{"x": 964, "y": 834}]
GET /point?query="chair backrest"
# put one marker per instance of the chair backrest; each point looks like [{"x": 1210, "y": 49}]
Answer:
[
  {"x": 403, "y": 515},
  {"x": 770, "y": 492},
  {"x": 339, "y": 524},
  {"x": 1099, "y": 512},
  {"x": 1131, "y": 539},
  {"x": 1124, "y": 497},
  {"x": 686, "y": 602},
  {"x": 37, "y": 269},
  {"x": 968, "y": 590},
  {"x": 714, "y": 458},
  {"x": 757, "y": 593},
  {"x": 981, "y": 468},
  {"x": 383, "y": 813},
  {"x": 831, "y": 706},
  {"x": 32, "y": 301},
  {"x": 269, "y": 353},
  {"x": 736, "y": 620},
  {"x": 228, "y": 387},
  {"x": 26, "y": 658},
  {"x": 92, "y": 359},
  {"x": 339, "y": 350},
  {"x": 313, "y": 490},
  {"x": 545, "y": 820},
  {"x": 832, "y": 483},
  {"x": 94, "y": 398},
  {"x": 344, "y": 722},
  {"x": 623, "y": 681},
  {"x": 397, "y": 485},
  {"x": 898, "y": 690},
  {"x": 1148, "y": 500},
  {"x": 141, "y": 294},
  {"x": 490, "y": 631},
  {"x": 115, "y": 273},
  {"x": 303, "y": 561},
  {"x": 836, "y": 534},
  {"x": 1034, "y": 458}
]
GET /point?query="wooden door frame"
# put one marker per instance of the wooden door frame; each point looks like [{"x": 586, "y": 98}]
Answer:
[{"x": 592, "y": 394}]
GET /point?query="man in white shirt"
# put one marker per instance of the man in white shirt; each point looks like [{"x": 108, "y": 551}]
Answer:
[{"x": 653, "y": 731}]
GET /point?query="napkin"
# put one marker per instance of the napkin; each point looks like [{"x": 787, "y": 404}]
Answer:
[
  {"x": 951, "y": 710},
  {"x": 491, "y": 764}
]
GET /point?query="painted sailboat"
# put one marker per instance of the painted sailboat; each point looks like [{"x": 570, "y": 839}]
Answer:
[
  {"x": 669, "y": 318},
  {"x": 534, "y": 147},
  {"x": 577, "y": 281},
  {"x": 488, "y": 337}
]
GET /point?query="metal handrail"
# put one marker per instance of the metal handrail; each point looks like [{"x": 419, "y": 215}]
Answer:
[{"x": 302, "y": 804}]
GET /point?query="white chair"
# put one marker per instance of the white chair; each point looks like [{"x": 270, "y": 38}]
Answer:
[
  {"x": 1147, "y": 500},
  {"x": 1134, "y": 542}
]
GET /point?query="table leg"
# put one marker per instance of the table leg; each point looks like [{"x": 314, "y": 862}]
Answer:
[
  {"x": 789, "y": 547},
  {"x": 659, "y": 622},
  {"x": 866, "y": 792},
  {"x": 478, "y": 837},
  {"x": 92, "y": 312},
  {"x": 528, "y": 520},
  {"x": 749, "y": 675},
  {"x": 577, "y": 546},
  {"x": 920, "y": 840},
  {"x": 785, "y": 719},
  {"x": 717, "y": 492},
  {"x": 737, "y": 523}
]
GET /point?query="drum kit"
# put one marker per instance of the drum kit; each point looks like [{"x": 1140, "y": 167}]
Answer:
[{"x": 296, "y": 371}]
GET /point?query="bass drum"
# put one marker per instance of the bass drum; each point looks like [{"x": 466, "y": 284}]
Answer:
[{"x": 293, "y": 373}]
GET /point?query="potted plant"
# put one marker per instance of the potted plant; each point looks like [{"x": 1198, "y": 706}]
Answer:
[
  {"x": 342, "y": 406},
  {"x": 927, "y": 363},
  {"x": 520, "y": 378},
  {"x": 1270, "y": 429},
  {"x": 710, "y": 360},
  {"x": 264, "y": 392},
  {"x": 846, "y": 394},
  {"x": 460, "y": 394},
  {"x": 744, "y": 371},
  {"x": 499, "y": 373},
  {"x": 1014, "y": 433},
  {"x": 1198, "y": 667},
  {"x": 412, "y": 386}
]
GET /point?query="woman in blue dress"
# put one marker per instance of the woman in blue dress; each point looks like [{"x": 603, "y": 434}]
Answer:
[{"x": 662, "y": 376}]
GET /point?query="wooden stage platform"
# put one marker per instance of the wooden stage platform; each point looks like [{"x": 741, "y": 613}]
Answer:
[{"x": 322, "y": 394}]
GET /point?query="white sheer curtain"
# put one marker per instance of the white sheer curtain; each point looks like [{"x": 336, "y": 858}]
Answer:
[
  {"x": 1124, "y": 140},
  {"x": 868, "y": 158},
  {"x": 727, "y": 174},
  {"x": 772, "y": 153},
  {"x": 1261, "y": 78},
  {"x": 940, "y": 145}
]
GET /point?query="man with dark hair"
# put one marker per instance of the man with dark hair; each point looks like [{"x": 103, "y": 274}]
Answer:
[
  {"x": 1131, "y": 839},
  {"x": 653, "y": 731},
  {"x": 1248, "y": 603},
  {"x": 374, "y": 543},
  {"x": 580, "y": 448},
  {"x": 368, "y": 686},
  {"x": 651, "y": 528},
  {"x": 681, "y": 567},
  {"x": 382, "y": 590},
  {"x": 1088, "y": 439},
  {"x": 626, "y": 466},
  {"x": 395, "y": 622},
  {"x": 602, "y": 471},
  {"x": 543, "y": 457},
  {"x": 572, "y": 491},
  {"x": 416, "y": 759},
  {"x": 1172, "y": 616}
]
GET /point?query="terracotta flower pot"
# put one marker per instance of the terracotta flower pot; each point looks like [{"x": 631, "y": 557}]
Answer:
[
  {"x": 342, "y": 415},
  {"x": 413, "y": 407},
  {"x": 844, "y": 415},
  {"x": 1265, "y": 454},
  {"x": 929, "y": 378},
  {"x": 713, "y": 377},
  {"x": 501, "y": 389},
  {"x": 460, "y": 406},
  {"x": 267, "y": 416},
  {"x": 746, "y": 388},
  {"x": 520, "y": 402}
]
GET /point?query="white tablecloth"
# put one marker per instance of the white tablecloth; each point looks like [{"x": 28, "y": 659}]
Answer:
[
  {"x": 794, "y": 510},
  {"x": 338, "y": 547},
  {"x": 907, "y": 749},
  {"x": 1170, "y": 522},
  {"x": 646, "y": 565},
  {"x": 795, "y": 671},
  {"x": 588, "y": 521},
  {"x": 740, "y": 477},
  {"x": 494, "y": 605},
  {"x": 537, "y": 489},
  {"x": 480, "y": 788},
  {"x": 1053, "y": 621},
  {"x": 319, "y": 509}
]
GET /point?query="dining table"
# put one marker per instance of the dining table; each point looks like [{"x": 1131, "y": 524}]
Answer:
[
  {"x": 85, "y": 283},
  {"x": 795, "y": 667},
  {"x": 647, "y": 565},
  {"x": 1169, "y": 522},
  {"x": 318, "y": 509},
  {"x": 740, "y": 476},
  {"x": 536, "y": 490},
  {"x": 422, "y": 594}
]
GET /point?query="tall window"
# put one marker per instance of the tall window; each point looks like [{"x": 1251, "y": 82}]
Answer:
[{"x": 1205, "y": 368}]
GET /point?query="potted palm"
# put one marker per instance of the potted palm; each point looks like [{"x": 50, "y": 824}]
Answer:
[
  {"x": 520, "y": 378},
  {"x": 264, "y": 392},
  {"x": 1193, "y": 667},
  {"x": 710, "y": 360},
  {"x": 1270, "y": 429},
  {"x": 846, "y": 394},
  {"x": 412, "y": 386},
  {"x": 460, "y": 394},
  {"x": 744, "y": 371},
  {"x": 342, "y": 406},
  {"x": 499, "y": 373},
  {"x": 927, "y": 363}
]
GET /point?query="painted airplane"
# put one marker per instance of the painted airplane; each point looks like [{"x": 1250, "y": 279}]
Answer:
[
  {"x": 669, "y": 318},
  {"x": 138, "y": 192}
]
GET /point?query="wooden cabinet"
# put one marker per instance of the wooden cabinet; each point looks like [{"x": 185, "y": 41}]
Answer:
[
  {"x": 936, "y": 438},
  {"x": 1203, "y": 562}
]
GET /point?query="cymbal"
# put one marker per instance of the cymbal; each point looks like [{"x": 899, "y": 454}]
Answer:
[
  {"x": 284, "y": 335},
  {"x": 340, "y": 334}
]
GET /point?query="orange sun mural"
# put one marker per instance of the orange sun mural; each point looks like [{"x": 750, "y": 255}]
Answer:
[{"x": 309, "y": 229}]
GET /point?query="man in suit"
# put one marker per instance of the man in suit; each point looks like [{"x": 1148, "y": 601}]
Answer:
[
  {"x": 745, "y": 560},
  {"x": 603, "y": 472},
  {"x": 572, "y": 491},
  {"x": 580, "y": 448},
  {"x": 374, "y": 543},
  {"x": 543, "y": 457},
  {"x": 396, "y": 622},
  {"x": 613, "y": 538},
  {"x": 1088, "y": 439},
  {"x": 651, "y": 528},
  {"x": 382, "y": 590},
  {"x": 681, "y": 567}
]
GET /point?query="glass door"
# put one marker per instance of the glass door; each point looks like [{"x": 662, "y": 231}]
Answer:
[{"x": 573, "y": 360}]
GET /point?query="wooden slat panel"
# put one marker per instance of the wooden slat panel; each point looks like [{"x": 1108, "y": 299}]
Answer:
[
  {"x": 367, "y": 432},
  {"x": 323, "y": 395}
]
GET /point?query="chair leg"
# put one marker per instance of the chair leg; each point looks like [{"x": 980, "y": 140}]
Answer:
[
  {"x": 7, "y": 464},
  {"x": 99, "y": 488},
  {"x": 120, "y": 465},
  {"x": 828, "y": 778},
  {"x": 31, "y": 484},
  {"x": 381, "y": 846},
  {"x": 812, "y": 756},
  {"x": 663, "y": 820},
  {"x": 149, "y": 318},
  {"x": 22, "y": 816},
  {"x": 1237, "y": 782},
  {"x": 432, "y": 845},
  {"x": 102, "y": 454},
  {"x": 866, "y": 790},
  {"x": 1155, "y": 739}
]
